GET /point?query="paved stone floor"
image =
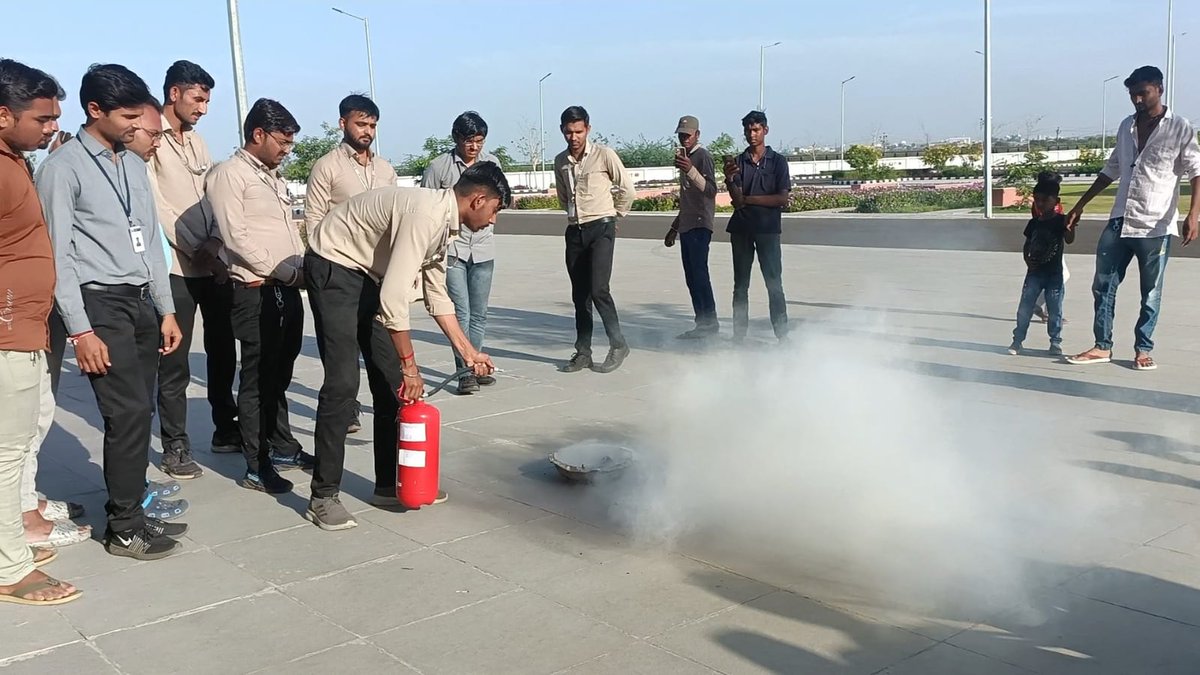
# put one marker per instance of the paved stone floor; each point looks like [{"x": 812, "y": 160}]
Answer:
[{"x": 893, "y": 493}]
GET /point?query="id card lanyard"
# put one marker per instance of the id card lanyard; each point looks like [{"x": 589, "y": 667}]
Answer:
[{"x": 136, "y": 236}]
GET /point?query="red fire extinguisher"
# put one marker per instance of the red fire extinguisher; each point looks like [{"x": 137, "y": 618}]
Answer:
[{"x": 417, "y": 454}]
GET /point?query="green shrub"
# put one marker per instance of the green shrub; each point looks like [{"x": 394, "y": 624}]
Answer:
[
  {"x": 1090, "y": 161},
  {"x": 664, "y": 202},
  {"x": 537, "y": 202},
  {"x": 917, "y": 200},
  {"x": 816, "y": 199},
  {"x": 961, "y": 172}
]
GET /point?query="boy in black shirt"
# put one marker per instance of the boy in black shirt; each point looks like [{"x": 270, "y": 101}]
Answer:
[{"x": 1045, "y": 238}]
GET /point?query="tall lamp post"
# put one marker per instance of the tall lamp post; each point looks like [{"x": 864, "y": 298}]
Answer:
[
  {"x": 762, "y": 70},
  {"x": 239, "y": 73},
  {"x": 842, "y": 137},
  {"x": 370, "y": 65},
  {"x": 987, "y": 108},
  {"x": 1169, "y": 97},
  {"x": 541, "y": 132},
  {"x": 1104, "y": 117}
]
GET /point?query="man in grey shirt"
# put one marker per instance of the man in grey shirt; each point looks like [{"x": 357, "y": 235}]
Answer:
[
  {"x": 112, "y": 277},
  {"x": 694, "y": 224},
  {"x": 470, "y": 257}
]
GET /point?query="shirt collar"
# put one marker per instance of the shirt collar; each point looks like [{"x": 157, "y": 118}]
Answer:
[
  {"x": 587, "y": 150},
  {"x": 94, "y": 147},
  {"x": 257, "y": 164},
  {"x": 455, "y": 225},
  {"x": 767, "y": 154},
  {"x": 695, "y": 148},
  {"x": 7, "y": 151},
  {"x": 353, "y": 154}
]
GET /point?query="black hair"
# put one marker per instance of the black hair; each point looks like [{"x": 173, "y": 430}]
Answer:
[
  {"x": 486, "y": 176},
  {"x": 270, "y": 116},
  {"x": 754, "y": 117},
  {"x": 21, "y": 84},
  {"x": 158, "y": 107},
  {"x": 468, "y": 125},
  {"x": 575, "y": 113},
  {"x": 1145, "y": 75},
  {"x": 112, "y": 86},
  {"x": 185, "y": 74},
  {"x": 358, "y": 103},
  {"x": 1048, "y": 184}
]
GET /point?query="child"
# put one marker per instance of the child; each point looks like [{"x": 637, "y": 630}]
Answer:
[{"x": 1045, "y": 238}]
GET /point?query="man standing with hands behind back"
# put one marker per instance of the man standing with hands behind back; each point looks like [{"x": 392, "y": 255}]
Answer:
[{"x": 694, "y": 224}]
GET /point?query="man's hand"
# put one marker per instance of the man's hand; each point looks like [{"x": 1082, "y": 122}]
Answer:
[
  {"x": 219, "y": 271},
  {"x": 672, "y": 235},
  {"x": 1190, "y": 230},
  {"x": 1073, "y": 217},
  {"x": 92, "y": 355},
  {"x": 171, "y": 335},
  {"x": 298, "y": 282},
  {"x": 480, "y": 363},
  {"x": 731, "y": 169},
  {"x": 683, "y": 163},
  {"x": 413, "y": 388}
]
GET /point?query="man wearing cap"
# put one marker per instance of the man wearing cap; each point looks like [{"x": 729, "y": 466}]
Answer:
[{"x": 694, "y": 224}]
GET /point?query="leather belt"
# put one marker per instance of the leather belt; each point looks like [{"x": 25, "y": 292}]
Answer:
[
  {"x": 256, "y": 284},
  {"x": 124, "y": 290},
  {"x": 607, "y": 220}
]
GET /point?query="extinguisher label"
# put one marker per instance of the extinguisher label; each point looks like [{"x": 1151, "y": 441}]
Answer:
[
  {"x": 414, "y": 459},
  {"x": 412, "y": 433}
]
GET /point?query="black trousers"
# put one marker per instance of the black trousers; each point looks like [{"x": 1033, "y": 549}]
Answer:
[
  {"x": 174, "y": 371},
  {"x": 124, "y": 318},
  {"x": 770, "y": 261},
  {"x": 344, "y": 305},
  {"x": 589, "y": 264},
  {"x": 269, "y": 323},
  {"x": 58, "y": 347}
]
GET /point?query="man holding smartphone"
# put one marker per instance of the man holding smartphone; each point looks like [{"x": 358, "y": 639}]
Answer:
[{"x": 694, "y": 224}]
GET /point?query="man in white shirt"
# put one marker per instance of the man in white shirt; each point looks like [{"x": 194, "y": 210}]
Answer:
[{"x": 1154, "y": 149}]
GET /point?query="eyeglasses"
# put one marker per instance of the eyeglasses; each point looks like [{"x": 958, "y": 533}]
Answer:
[
  {"x": 155, "y": 136},
  {"x": 285, "y": 145}
]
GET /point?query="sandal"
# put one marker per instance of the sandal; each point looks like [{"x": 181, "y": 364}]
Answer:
[
  {"x": 1144, "y": 361},
  {"x": 20, "y": 593},
  {"x": 43, "y": 556},
  {"x": 165, "y": 509},
  {"x": 1089, "y": 357},
  {"x": 59, "y": 510},
  {"x": 158, "y": 490},
  {"x": 64, "y": 533}
]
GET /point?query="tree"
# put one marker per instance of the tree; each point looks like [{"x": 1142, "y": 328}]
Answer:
[
  {"x": 645, "y": 152},
  {"x": 308, "y": 150},
  {"x": 415, "y": 165},
  {"x": 720, "y": 146},
  {"x": 1090, "y": 161},
  {"x": 528, "y": 145},
  {"x": 970, "y": 153},
  {"x": 938, "y": 156},
  {"x": 501, "y": 153},
  {"x": 863, "y": 158}
]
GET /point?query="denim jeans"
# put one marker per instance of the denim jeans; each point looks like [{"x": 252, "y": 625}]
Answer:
[
  {"x": 770, "y": 261},
  {"x": 693, "y": 247},
  {"x": 1049, "y": 282},
  {"x": 470, "y": 286},
  {"x": 1113, "y": 254}
]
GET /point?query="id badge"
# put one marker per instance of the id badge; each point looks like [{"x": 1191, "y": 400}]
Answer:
[{"x": 136, "y": 237}]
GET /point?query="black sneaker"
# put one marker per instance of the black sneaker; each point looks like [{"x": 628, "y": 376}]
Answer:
[
  {"x": 577, "y": 363},
  {"x": 698, "y": 333},
  {"x": 140, "y": 544},
  {"x": 267, "y": 481},
  {"x": 614, "y": 360},
  {"x": 298, "y": 460},
  {"x": 226, "y": 443},
  {"x": 161, "y": 528},
  {"x": 177, "y": 462},
  {"x": 467, "y": 384},
  {"x": 486, "y": 380},
  {"x": 1015, "y": 348},
  {"x": 1055, "y": 350},
  {"x": 355, "y": 425}
]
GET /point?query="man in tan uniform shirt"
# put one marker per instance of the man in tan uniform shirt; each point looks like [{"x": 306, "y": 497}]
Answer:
[
  {"x": 266, "y": 261},
  {"x": 347, "y": 170},
  {"x": 365, "y": 263}
]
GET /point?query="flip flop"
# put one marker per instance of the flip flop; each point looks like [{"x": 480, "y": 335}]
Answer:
[
  {"x": 1144, "y": 362},
  {"x": 65, "y": 533},
  {"x": 59, "y": 510},
  {"x": 166, "y": 509},
  {"x": 158, "y": 490},
  {"x": 1085, "y": 360},
  {"x": 21, "y": 591},
  {"x": 43, "y": 556}
]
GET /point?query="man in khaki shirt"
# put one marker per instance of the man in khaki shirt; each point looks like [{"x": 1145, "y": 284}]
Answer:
[
  {"x": 266, "y": 260},
  {"x": 347, "y": 170},
  {"x": 586, "y": 175},
  {"x": 198, "y": 277},
  {"x": 366, "y": 260}
]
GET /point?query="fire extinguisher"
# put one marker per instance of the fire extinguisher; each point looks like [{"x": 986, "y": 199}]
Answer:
[{"x": 417, "y": 452}]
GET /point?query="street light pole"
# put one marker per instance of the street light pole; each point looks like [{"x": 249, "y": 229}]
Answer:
[
  {"x": 762, "y": 71},
  {"x": 1170, "y": 53},
  {"x": 541, "y": 132},
  {"x": 842, "y": 142},
  {"x": 239, "y": 73},
  {"x": 987, "y": 108},
  {"x": 370, "y": 64},
  {"x": 1104, "y": 117}
]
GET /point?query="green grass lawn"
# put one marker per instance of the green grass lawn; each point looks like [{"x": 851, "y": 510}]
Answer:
[{"x": 1103, "y": 203}]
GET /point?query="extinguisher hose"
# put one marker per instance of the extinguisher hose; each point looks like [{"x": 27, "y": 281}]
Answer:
[{"x": 453, "y": 376}]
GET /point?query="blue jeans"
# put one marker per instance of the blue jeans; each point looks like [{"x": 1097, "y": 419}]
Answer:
[
  {"x": 1113, "y": 254},
  {"x": 470, "y": 286},
  {"x": 1049, "y": 282},
  {"x": 693, "y": 247}
]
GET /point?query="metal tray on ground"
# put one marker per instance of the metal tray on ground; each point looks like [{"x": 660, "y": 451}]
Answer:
[{"x": 590, "y": 462}]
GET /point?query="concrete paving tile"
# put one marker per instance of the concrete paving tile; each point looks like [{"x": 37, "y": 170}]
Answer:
[
  {"x": 640, "y": 658},
  {"x": 1152, "y": 580},
  {"x": 647, "y": 594},
  {"x": 410, "y": 587},
  {"x": 152, "y": 590},
  {"x": 239, "y": 636},
  {"x": 1183, "y": 539},
  {"x": 517, "y": 633},
  {"x": 947, "y": 659},
  {"x": 1064, "y": 633},
  {"x": 243, "y": 513},
  {"x": 515, "y": 425},
  {"x": 77, "y": 657},
  {"x": 467, "y": 512},
  {"x": 537, "y": 550},
  {"x": 353, "y": 657},
  {"x": 26, "y": 629},
  {"x": 784, "y": 633},
  {"x": 499, "y": 400},
  {"x": 307, "y": 551}
]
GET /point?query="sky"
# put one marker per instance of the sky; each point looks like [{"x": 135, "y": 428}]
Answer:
[{"x": 638, "y": 65}]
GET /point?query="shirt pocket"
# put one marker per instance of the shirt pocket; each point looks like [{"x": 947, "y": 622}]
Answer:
[
  {"x": 143, "y": 209},
  {"x": 593, "y": 184}
]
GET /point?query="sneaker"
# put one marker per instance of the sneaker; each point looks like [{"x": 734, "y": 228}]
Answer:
[
  {"x": 485, "y": 380},
  {"x": 227, "y": 443},
  {"x": 298, "y": 460},
  {"x": 613, "y": 361},
  {"x": 328, "y": 513},
  {"x": 177, "y": 462},
  {"x": 699, "y": 333},
  {"x": 1055, "y": 350},
  {"x": 467, "y": 384},
  {"x": 355, "y": 425},
  {"x": 441, "y": 497},
  {"x": 158, "y": 490},
  {"x": 1014, "y": 348},
  {"x": 384, "y": 499},
  {"x": 165, "y": 509},
  {"x": 161, "y": 528},
  {"x": 268, "y": 481},
  {"x": 578, "y": 362},
  {"x": 140, "y": 545}
]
